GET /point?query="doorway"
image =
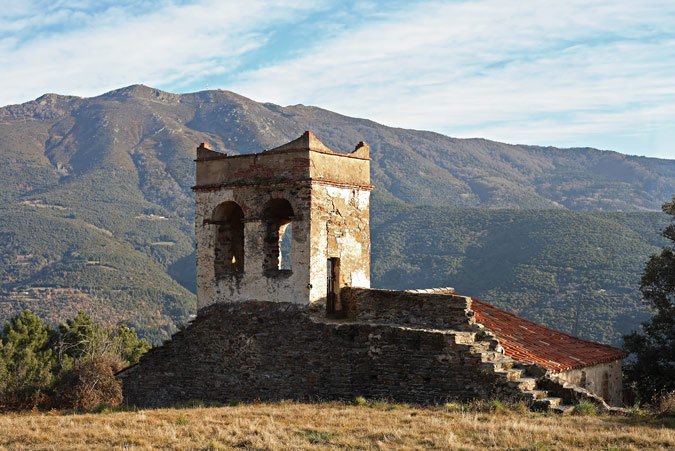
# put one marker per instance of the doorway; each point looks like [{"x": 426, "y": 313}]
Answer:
[{"x": 333, "y": 285}]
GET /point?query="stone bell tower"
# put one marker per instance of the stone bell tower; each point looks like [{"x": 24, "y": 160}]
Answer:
[{"x": 246, "y": 204}]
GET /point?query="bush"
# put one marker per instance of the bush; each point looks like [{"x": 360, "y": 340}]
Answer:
[
  {"x": 70, "y": 368},
  {"x": 90, "y": 384},
  {"x": 520, "y": 408},
  {"x": 360, "y": 401},
  {"x": 497, "y": 406},
  {"x": 664, "y": 405},
  {"x": 585, "y": 408}
]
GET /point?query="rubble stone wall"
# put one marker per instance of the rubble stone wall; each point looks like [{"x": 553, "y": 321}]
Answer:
[
  {"x": 411, "y": 309},
  {"x": 270, "y": 350}
]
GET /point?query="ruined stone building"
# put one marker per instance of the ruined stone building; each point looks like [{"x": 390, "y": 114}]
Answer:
[{"x": 286, "y": 309}]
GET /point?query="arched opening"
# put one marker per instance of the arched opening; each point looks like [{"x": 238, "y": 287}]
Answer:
[
  {"x": 277, "y": 215},
  {"x": 228, "y": 219}
]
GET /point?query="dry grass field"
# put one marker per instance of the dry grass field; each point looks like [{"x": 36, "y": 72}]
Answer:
[{"x": 332, "y": 425}]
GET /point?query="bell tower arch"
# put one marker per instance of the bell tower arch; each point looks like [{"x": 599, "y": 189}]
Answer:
[{"x": 290, "y": 224}]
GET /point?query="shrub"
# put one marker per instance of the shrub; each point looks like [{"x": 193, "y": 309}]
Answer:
[
  {"x": 89, "y": 384},
  {"x": 360, "y": 401},
  {"x": 585, "y": 408},
  {"x": 664, "y": 405},
  {"x": 497, "y": 406},
  {"x": 69, "y": 368},
  {"x": 520, "y": 408}
]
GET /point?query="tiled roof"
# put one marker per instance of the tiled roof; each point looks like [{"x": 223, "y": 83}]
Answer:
[{"x": 529, "y": 342}]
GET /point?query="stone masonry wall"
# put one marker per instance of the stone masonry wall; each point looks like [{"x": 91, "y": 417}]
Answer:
[
  {"x": 411, "y": 309},
  {"x": 341, "y": 229},
  {"x": 253, "y": 283},
  {"x": 271, "y": 350}
]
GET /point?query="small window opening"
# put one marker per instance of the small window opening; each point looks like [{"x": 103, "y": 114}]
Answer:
[
  {"x": 228, "y": 221},
  {"x": 278, "y": 249}
]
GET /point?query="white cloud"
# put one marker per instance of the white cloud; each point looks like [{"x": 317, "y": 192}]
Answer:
[
  {"x": 482, "y": 69},
  {"x": 75, "y": 49},
  {"x": 548, "y": 72}
]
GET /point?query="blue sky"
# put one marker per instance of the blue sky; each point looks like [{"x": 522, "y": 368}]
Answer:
[{"x": 564, "y": 73}]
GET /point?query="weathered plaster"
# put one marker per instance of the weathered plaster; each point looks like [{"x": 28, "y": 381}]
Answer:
[
  {"x": 329, "y": 194},
  {"x": 604, "y": 380}
]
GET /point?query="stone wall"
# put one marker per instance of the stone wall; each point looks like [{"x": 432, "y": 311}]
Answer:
[
  {"x": 270, "y": 350},
  {"x": 340, "y": 229},
  {"x": 328, "y": 197},
  {"x": 406, "y": 308},
  {"x": 254, "y": 282}
]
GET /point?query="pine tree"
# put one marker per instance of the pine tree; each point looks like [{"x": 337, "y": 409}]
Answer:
[{"x": 28, "y": 360}]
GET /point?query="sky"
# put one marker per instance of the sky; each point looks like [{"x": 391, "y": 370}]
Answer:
[{"x": 572, "y": 73}]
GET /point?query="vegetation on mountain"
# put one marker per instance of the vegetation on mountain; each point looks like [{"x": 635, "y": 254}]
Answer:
[
  {"x": 577, "y": 272},
  {"x": 96, "y": 213},
  {"x": 72, "y": 367},
  {"x": 652, "y": 372}
]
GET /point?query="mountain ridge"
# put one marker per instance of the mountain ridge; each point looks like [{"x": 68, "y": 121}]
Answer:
[
  {"x": 106, "y": 180},
  {"x": 469, "y": 172}
]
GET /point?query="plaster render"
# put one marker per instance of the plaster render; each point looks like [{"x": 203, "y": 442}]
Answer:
[
  {"x": 604, "y": 380},
  {"x": 329, "y": 194}
]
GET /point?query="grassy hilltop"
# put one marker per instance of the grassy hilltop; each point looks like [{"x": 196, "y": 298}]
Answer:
[{"x": 327, "y": 426}]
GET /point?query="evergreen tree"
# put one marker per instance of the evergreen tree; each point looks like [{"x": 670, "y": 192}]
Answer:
[
  {"x": 83, "y": 339},
  {"x": 131, "y": 348},
  {"x": 28, "y": 360},
  {"x": 78, "y": 336},
  {"x": 72, "y": 368},
  {"x": 653, "y": 371}
]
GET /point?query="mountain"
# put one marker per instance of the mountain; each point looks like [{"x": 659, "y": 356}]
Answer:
[{"x": 97, "y": 210}]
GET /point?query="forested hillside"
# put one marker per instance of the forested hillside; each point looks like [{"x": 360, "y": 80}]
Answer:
[
  {"x": 96, "y": 211},
  {"x": 575, "y": 271}
]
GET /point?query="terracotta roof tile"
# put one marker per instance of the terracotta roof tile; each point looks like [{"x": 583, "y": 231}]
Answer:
[{"x": 529, "y": 342}]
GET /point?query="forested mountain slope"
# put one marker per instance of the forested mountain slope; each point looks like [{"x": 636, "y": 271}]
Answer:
[
  {"x": 96, "y": 210},
  {"x": 575, "y": 271}
]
